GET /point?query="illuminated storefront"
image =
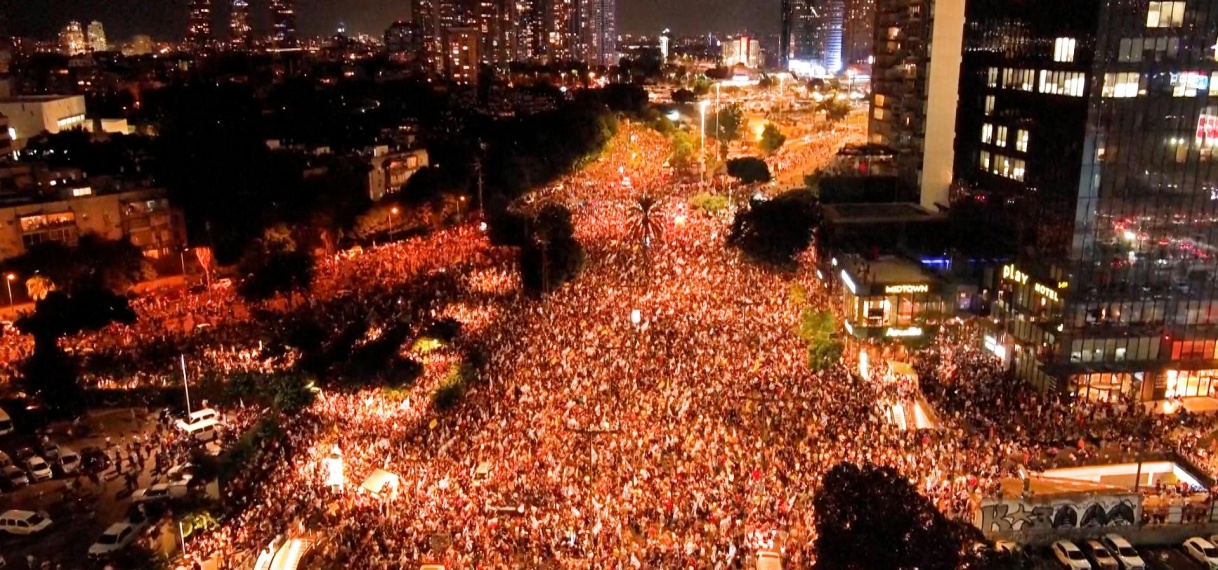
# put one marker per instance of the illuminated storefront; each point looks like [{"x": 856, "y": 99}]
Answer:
[{"x": 892, "y": 299}]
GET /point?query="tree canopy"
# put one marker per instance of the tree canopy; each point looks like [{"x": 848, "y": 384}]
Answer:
[
  {"x": 114, "y": 265},
  {"x": 274, "y": 265},
  {"x": 749, "y": 170},
  {"x": 871, "y": 517},
  {"x": 775, "y": 231},
  {"x": 730, "y": 125},
  {"x": 552, "y": 255},
  {"x": 772, "y": 138}
]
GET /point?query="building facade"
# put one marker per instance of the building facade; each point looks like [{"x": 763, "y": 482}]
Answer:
[
  {"x": 742, "y": 50},
  {"x": 390, "y": 170},
  {"x": 462, "y": 57},
  {"x": 29, "y": 116},
  {"x": 72, "y": 39},
  {"x": 143, "y": 217},
  {"x": 198, "y": 30},
  {"x": 96, "y": 37},
  {"x": 914, "y": 84},
  {"x": 598, "y": 32},
  {"x": 812, "y": 35},
  {"x": 858, "y": 31},
  {"x": 1094, "y": 123},
  {"x": 239, "y": 29},
  {"x": 562, "y": 30},
  {"x": 404, "y": 41},
  {"x": 283, "y": 23}
]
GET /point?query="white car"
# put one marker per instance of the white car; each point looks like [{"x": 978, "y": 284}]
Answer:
[
  {"x": 1202, "y": 551},
  {"x": 1123, "y": 551},
  {"x": 116, "y": 538},
  {"x": 1069, "y": 556},
  {"x": 38, "y": 469},
  {"x": 23, "y": 523},
  {"x": 159, "y": 492},
  {"x": 68, "y": 461}
]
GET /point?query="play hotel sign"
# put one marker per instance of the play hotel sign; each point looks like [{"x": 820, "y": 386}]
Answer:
[{"x": 1012, "y": 273}]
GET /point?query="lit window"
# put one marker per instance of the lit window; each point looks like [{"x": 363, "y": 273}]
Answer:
[
  {"x": 989, "y": 103},
  {"x": 1165, "y": 15},
  {"x": 78, "y": 192},
  {"x": 1063, "y": 49},
  {"x": 987, "y": 133},
  {"x": 991, "y": 79},
  {"x": 1123, "y": 84},
  {"x": 1021, "y": 140},
  {"x": 985, "y": 160},
  {"x": 1002, "y": 136},
  {"x": 1189, "y": 83}
]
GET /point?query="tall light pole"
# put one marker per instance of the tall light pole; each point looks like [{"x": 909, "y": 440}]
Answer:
[
  {"x": 392, "y": 212},
  {"x": 717, "y": 118},
  {"x": 702, "y": 146},
  {"x": 8, "y": 284}
]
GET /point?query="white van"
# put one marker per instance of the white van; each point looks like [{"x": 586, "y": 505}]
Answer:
[
  {"x": 6, "y": 423},
  {"x": 23, "y": 523},
  {"x": 202, "y": 431},
  {"x": 203, "y": 415}
]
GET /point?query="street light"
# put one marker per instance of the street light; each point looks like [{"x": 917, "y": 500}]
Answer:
[
  {"x": 702, "y": 146},
  {"x": 460, "y": 202},
  {"x": 8, "y": 284},
  {"x": 392, "y": 212}
]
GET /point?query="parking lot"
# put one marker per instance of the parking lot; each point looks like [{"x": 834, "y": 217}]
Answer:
[
  {"x": 78, "y": 517},
  {"x": 1156, "y": 558}
]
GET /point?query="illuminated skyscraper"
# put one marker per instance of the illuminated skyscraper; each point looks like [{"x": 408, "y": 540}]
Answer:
[
  {"x": 461, "y": 54},
  {"x": 598, "y": 32},
  {"x": 72, "y": 39},
  {"x": 562, "y": 30},
  {"x": 529, "y": 29},
  {"x": 425, "y": 16},
  {"x": 812, "y": 35},
  {"x": 496, "y": 24},
  {"x": 97, "y": 37},
  {"x": 198, "y": 32},
  {"x": 858, "y": 31},
  {"x": 283, "y": 23},
  {"x": 239, "y": 23}
]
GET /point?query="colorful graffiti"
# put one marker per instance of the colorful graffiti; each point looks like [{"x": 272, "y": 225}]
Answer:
[{"x": 1006, "y": 515}]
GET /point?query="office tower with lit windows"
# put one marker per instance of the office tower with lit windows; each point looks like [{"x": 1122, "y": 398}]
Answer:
[
  {"x": 72, "y": 39},
  {"x": 812, "y": 35},
  {"x": 96, "y": 37},
  {"x": 283, "y": 23},
  {"x": 742, "y": 50},
  {"x": 425, "y": 16},
  {"x": 496, "y": 22},
  {"x": 198, "y": 31},
  {"x": 529, "y": 29},
  {"x": 562, "y": 30},
  {"x": 239, "y": 23},
  {"x": 461, "y": 47},
  {"x": 404, "y": 42},
  {"x": 598, "y": 32},
  {"x": 858, "y": 31},
  {"x": 914, "y": 83},
  {"x": 1091, "y": 126}
]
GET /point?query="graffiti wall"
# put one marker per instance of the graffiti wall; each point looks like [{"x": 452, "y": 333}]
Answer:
[{"x": 1057, "y": 513}]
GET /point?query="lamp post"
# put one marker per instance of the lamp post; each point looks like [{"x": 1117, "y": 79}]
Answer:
[
  {"x": 392, "y": 212},
  {"x": 702, "y": 145},
  {"x": 717, "y": 118},
  {"x": 460, "y": 202},
  {"x": 8, "y": 284}
]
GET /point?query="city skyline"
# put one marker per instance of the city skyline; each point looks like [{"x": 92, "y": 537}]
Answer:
[{"x": 169, "y": 19}]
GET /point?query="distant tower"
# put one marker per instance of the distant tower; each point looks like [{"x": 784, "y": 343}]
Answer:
[
  {"x": 283, "y": 23},
  {"x": 239, "y": 23},
  {"x": 72, "y": 39},
  {"x": 198, "y": 32},
  {"x": 425, "y": 16},
  {"x": 665, "y": 42},
  {"x": 562, "y": 30},
  {"x": 598, "y": 32},
  {"x": 97, "y": 37},
  {"x": 342, "y": 28}
]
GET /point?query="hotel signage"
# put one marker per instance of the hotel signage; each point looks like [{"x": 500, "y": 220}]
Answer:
[
  {"x": 898, "y": 289},
  {"x": 1012, "y": 273}
]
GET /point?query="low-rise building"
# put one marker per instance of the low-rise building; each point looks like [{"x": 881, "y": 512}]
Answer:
[
  {"x": 29, "y": 116},
  {"x": 143, "y": 216},
  {"x": 391, "y": 169}
]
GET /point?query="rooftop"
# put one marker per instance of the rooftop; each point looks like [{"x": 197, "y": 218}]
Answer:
[
  {"x": 36, "y": 98},
  {"x": 887, "y": 269},
  {"x": 877, "y": 213}
]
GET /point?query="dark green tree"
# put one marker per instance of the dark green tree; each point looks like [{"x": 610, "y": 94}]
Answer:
[
  {"x": 775, "y": 231},
  {"x": 749, "y": 170},
  {"x": 115, "y": 265},
  {"x": 835, "y": 109},
  {"x": 872, "y": 517},
  {"x": 274, "y": 266},
  {"x": 552, "y": 255},
  {"x": 682, "y": 148},
  {"x": 772, "y": 138},
  {"x": 730, "y": 126}
]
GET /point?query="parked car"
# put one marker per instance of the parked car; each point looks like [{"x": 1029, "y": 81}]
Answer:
[
  {"x": 1123, "y": 551},
  {"x": 6, "y": 425},
  {"x": 116, "y": 538},
  {"x": 24, "y": 453},
  {"x": 94, "y": 459},
  {"x": 1069, "y": 556},
  {"x": 23, "y": 523},
  {"x": 12, "y": 477},
  {"x": 159, "y": 492},
  {"x": 50, "y": 450},
  {"x": 68, "y": 461},
  {"x": 1101, "y": 558},
  {"x": 38, "y": 469},
  {"x": 1202, "y": 551}
]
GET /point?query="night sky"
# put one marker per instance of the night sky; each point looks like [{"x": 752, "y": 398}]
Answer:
[{"x": 166, "y": 19}]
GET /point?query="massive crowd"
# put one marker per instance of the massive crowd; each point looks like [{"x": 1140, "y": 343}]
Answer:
[{"x": 692, "y": 436}]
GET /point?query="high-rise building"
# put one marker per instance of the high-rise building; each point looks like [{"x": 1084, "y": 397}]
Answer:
[
  {"x": 914, "y": 84},
  {"x": 1094, "y": 124},
  {"x": 283, "y": 23},
  {"x": 598, "y": 32},
  {"x": 198, "y": 31},
  {"x": 425, "y": 15},
  {"x": 404, "y": 41},
  {"x": 812, "y": 35},
  {"x": 529, "y": 29},
  {"x": 743, "y": 50},
  {"x": 461, "y": 54},
  {"x": 496, "y": 24},
  {"x": 239, "y": 23},
  {"x": 858, "y": 31},
  {"x": 665, "y": 43},
  {"x": 96, "y": 37},
  {"x": 562, "y": 27},
  {"x": 72, "y": 39}
]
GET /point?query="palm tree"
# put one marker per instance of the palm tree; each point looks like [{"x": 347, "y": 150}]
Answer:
[
  {"x": 644, "y": 225},
  {"x": 38, "y": 286}
]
